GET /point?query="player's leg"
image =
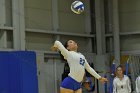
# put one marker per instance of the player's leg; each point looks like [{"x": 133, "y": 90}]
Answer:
[
  {"x": 64, "y": 90},
  {"x": 78, "y": 91}
]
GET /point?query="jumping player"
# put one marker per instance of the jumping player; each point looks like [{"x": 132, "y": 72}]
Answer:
[{"x": 77, "y": 64}]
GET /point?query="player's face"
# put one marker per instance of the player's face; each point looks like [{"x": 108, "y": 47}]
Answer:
[
  {"x": 119, "y": 71},
  {"x": 72, "y": 45}
]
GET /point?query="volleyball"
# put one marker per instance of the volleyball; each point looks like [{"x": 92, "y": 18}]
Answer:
[{"x": 77, "y": 7}]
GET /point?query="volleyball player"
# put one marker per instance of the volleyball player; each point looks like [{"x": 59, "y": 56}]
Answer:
[
  {"x": 77, "y": 63},
  {"x": 121, "y": 83},
  {"x": 138, "y": 84}
]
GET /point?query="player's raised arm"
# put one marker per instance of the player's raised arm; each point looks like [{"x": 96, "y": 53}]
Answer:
[{"x": 58, "y": 46}]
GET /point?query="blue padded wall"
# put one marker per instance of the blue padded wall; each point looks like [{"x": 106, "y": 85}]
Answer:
[{"x": 18, "y": 72}]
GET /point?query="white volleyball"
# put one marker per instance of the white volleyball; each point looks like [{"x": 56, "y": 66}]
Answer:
[{"x": 77, "y": 7}]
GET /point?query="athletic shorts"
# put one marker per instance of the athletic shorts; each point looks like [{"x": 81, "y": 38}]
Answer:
[{"x": 70, "y": 83}]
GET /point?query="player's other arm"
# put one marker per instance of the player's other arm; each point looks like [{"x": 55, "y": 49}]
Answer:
[{"x": 94, "y": 73}]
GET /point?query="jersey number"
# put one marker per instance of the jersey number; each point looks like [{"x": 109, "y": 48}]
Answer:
[{"x": 82, "y": 61}]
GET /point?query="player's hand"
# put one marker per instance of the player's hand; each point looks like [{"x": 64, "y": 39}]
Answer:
[
  {"x": 103, "y": 80},
  {"x": 54, "y": 48}
]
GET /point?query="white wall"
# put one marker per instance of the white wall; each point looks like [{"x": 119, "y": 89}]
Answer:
[
  {"x": 38, "y": 14},
  {"x": 9, "y": 13},
  {"x": 129, "y": 13},
  {"x": 39, "y": 41},
  {"x": 70, "y": 22},
  {"x": 130, "y": 43},
  {"x": 49, "y": 73}
]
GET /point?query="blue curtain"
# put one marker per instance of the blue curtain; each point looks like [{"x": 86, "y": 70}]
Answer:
[
  {"x": 18, "y": 72},
  {"x": 112, "y": 77}
]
